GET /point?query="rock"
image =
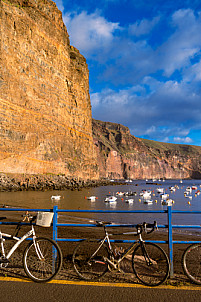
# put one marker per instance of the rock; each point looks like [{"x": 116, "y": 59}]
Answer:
[
  {"x": 124, "y": 156},
  {"x": 45, "y": 108}
]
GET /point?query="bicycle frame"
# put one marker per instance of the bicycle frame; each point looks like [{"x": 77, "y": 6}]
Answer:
[
  {"x": 127, "y": 252},
  {"x": 16, "y": 245}
]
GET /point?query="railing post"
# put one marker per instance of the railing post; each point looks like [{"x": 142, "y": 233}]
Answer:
[
  {"x": 170, "y": 240},
  {"x": 55, "y": 208}
]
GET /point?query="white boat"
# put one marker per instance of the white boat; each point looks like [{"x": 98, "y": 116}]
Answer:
[
  {"x": 172, "y": 189},
  {"x": 110, "y": 198},
  {"x": 130, "y": 200},
  {"x": 145, "y": 194},
  {"x": 164, "y": 196},
  {"x": 120, "y": 193},
  {"x": 148, "y": 201},
  {"x": 55, "y": 197},
  {"x": 167, "y": 202},
  {"x": 160, "y": 190},
  {"x": 188, "y": 189},
  {"x": 190, "y": 197},
  {"x": 92, "y": 198}
]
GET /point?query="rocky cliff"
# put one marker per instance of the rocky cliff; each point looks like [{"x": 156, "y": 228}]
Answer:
[
  {"x": 45, "y": 112},
  {"x": 45, "y": 109},
  {"x": 122, "y": 155}
]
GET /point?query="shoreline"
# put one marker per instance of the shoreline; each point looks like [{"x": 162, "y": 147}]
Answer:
[
  {"x": 37, "y": 182},
  {"x": 13, "y": 182}
]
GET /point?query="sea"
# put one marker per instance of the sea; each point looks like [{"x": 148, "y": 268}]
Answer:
[{"x": 78, "y": 200}]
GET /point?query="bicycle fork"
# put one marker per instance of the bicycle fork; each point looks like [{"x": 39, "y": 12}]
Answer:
[
  {"x": 145, "y": 254},
  {"x": 3, "y": 259}
]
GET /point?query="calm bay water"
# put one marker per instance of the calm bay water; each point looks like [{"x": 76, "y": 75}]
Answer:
[{"x": 77, "y": 200}]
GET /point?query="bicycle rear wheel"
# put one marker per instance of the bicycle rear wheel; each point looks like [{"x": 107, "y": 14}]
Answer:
[
  {"x": 42, "y": 260},
  {"x": 150, "y": 264},
  {"x": 191, "y": 262},
  {"x": 88, "y": 259}
]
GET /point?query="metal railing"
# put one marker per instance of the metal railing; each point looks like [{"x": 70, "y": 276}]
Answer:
[{"x": 169, "y": 226}]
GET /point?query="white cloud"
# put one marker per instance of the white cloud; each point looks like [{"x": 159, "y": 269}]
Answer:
[
  {"x": 152, "y": 100},
  {"x": 185, "y": 140},
  {"x": 60, "y": 5},
  {"x": 151, "y": 130},
  {"x": 142, "y": 27},
  {"x": 90, "y": 32},
  {"x": 184, "y": 43}
]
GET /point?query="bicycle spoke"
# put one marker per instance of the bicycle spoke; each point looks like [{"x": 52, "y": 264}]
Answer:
[
  {"x": 40, "y": 262},
  {"x": 151, "y": 265},
  {"x": 88, "y": 260},
  {"x": 192, "y": 263}
]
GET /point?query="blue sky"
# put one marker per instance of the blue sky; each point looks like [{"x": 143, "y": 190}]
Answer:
[{"x": 144, "y": 60}]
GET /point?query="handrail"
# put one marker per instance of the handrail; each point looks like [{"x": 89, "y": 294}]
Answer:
[{"x": 169, "y": 226}]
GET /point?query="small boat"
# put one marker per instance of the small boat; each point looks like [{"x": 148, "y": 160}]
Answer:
[
  {"x": 145, "y": 194},
  {"x": 160, "y": 190},
  {"x": 167, "y": 202},
  {"x": 130, "y": 200},
  {"x": 148, "y": 201},
  {"x": 120, "y": 193},
  {"x": 173, "y": 189},
  {"x": 194, "y": 188},
  {"x": 130, "y": 193},
  {"x": 92, "y": 198},
  {"x": 164, "y": 196},
  {"x": 110, "y": 198},
  {"x": 188, "y": 189},
  {"x": 56, "y": 197}
]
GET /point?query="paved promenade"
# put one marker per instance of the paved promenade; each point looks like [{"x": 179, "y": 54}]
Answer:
[{"x": 21, "y": 290}]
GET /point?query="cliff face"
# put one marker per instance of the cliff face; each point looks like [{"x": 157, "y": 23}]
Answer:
[
  {"x": 45, "y": 109},
  {"x": 121, "y": 155}
]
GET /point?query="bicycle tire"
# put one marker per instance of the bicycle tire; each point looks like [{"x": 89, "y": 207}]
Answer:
[
  {"x": 153, "y": 271},
  {"x": 86, "y": 266},
  {"x": 191, "y": 262},
  {"x": 47, "y": 267}
]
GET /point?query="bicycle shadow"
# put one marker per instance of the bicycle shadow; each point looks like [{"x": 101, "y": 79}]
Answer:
[{"x": 14, "y": 272}]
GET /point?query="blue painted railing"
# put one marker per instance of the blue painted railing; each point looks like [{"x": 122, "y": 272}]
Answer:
[{"x": 169, "y": 212}]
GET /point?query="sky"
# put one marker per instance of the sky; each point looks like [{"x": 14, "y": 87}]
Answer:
[{"x": 144, "y": 60}]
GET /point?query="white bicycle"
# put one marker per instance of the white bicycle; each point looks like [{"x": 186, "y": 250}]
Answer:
[{"x": 42, "y": 258}]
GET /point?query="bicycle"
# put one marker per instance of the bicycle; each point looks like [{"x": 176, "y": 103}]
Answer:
[
  {"x": 191, "y": 262},
  {"x": 42, "y": 257},
  {"x": 93, "y": 258}
]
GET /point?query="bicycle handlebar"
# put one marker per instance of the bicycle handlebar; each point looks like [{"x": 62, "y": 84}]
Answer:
[
  {"x": 141, "y": 227},
  {"x": 144, "y": 226},
  {"x": 29, "y": 217}
]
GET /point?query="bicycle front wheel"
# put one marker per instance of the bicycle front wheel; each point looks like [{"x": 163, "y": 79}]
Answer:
[
  {"x": 191, "y": 262},
  {"x": 150, "y": 264},
  {"x": 42, "y": 259},
  {"x": 89, "y": 259}
]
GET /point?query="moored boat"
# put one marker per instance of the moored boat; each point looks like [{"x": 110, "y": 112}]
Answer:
[{"x": 110, "y": 198}]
